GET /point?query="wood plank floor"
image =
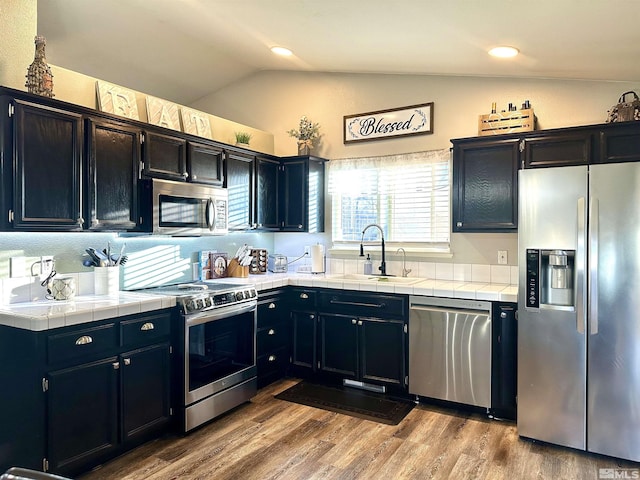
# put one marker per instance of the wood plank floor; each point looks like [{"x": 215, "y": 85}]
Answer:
[{"x": 273, "y": 439}]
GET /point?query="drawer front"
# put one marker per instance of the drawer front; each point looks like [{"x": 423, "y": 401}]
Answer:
[
  {"x": 303, "y": 299},
  {"x": 272, "y": 337},
  {"x": 270, "y": 312},
  {"x": 363, "y": 304},
  {"x": 145, "y": 330},
  {"x": 81, "y": 344},
  {"x": 276, "y": 360}
]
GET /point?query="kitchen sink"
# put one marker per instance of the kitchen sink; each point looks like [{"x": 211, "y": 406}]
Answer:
[{"x": 357, "y": 277}]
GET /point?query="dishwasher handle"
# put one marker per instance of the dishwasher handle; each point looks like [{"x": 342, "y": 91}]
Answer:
[{"x": 427, "y": 308}]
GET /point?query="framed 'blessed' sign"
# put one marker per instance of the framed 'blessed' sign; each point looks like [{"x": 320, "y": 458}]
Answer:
[{"x": 394, "y": 122}]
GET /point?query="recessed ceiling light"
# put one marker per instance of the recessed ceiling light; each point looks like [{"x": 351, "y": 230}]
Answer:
[
  {"x": 285, "y": 52},
  {"x": 504, "y": 52}
]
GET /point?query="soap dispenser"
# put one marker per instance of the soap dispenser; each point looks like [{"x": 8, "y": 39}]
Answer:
[{"x": 368, "y": 266}]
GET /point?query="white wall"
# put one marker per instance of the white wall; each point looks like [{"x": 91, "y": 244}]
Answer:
[
  {"x": 18, "y": 20},
  {"x": 275, "y": 101}
]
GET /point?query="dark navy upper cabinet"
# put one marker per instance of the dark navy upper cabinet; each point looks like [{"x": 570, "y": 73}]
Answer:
[{"x": 485, "y": 185}]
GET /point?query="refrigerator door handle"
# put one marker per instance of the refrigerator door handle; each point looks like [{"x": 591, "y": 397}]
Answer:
[
  {"x": 594, "y": 226},
  {"x": 580, "y": 267}
]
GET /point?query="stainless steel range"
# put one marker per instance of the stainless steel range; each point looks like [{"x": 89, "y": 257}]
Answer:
[{"x": 217, "y": 348}]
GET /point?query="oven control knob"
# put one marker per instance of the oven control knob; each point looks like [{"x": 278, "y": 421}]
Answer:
[
  {"x": 191, "y": 305},
  {"x": 239, "y": 296},
  {"x": 208, "y": 302}
]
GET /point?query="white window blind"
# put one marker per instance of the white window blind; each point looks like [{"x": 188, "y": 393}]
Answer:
[{"x": 407, "y": 195}]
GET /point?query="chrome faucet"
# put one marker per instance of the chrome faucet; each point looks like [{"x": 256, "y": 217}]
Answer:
[
  {"x": 383, "y": 263},
  {"x": 405, "y": 271}
]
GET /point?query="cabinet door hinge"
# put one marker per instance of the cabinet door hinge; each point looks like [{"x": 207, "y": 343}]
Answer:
[
  {"x": 11, "y": 216},
  {"x": 141, "y": 138},
  {"x": 406, "y": 329},
  {"x": 45, "y": 465},
  {"x": 406, "y": 381},
  {"x": 12, "y": 110},
  {"x": 45, "y": 385}
]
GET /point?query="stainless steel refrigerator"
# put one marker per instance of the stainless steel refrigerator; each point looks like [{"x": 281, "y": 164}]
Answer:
[{"x": 579, "y": 307}]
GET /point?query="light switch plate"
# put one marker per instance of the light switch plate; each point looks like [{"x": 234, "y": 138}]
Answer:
[{"x": 502, "y": 257}]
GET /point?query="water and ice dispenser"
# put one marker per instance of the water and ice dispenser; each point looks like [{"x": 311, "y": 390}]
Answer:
[{"x": 550, "y": 277}]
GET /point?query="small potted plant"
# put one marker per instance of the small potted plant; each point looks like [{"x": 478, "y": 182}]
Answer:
[
  {"x": 307, "y": 134},
  {"x": 242, "y": 139}
]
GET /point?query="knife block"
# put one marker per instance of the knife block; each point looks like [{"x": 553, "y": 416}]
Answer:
[{"x": 234, "y": 269}]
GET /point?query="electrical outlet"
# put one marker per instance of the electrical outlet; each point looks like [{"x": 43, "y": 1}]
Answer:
[
  {"x": 502, "y": 257},
  {"x": 307, "y": 250},
  {"x": 46, "y": 265}
]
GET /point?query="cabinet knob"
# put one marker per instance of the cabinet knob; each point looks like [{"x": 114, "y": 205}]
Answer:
[
  {"x": 84, "y": 340},
  {"x": 503, "y": 315},
  {"x": 354, "y": 321},
  {"x": 127, "y": 361},
  {"x": 147, "y": 326},
  {"x": 360, "y": 322},
  {"x": 115, "y": 365},
  {"x": 272, "y": 306},
  {"x": 312, "y": 317},
  {"x": 304, "y": 296},
  {"x": 271, "y": 331},
  {"x": 195, "y": 177},
  {"x": 300, "y": 227},
  {"x": 458, "y": 224},
  {"x": 185, "y": 174},
  {"x": 272, "y": 358}
]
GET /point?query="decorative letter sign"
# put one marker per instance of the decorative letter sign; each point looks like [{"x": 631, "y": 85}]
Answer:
[
  {"x": 195, "y": 122},
  {"x": 162, "y": 113},
  {"x": 395, "y": 122},
  {"x": 117, "y": 100}
]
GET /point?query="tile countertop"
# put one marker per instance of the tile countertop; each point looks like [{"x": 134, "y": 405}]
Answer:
[
  {"x": 49, "y": 314},
  {"x": 429, "y": 287}
]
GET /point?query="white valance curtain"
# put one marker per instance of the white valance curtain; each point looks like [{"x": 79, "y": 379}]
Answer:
[{"x": 408, "y": 194}]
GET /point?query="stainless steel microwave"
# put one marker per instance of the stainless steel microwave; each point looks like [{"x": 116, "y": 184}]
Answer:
[{"x": 180, "y": 208}]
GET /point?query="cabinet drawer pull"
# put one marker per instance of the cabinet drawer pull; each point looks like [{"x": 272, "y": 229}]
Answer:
[
  {"x": 333, "y": 301},
  {"x": 304, "y": 296},
  {"x": 127, "y": 361},
  {"x": 84, "y": 340},
  {"x": 272, "y": 358},
  {"x": 147, "y": 326},
  {"x": 272, "y": 305},
  {"x": 271, "y": 331}
]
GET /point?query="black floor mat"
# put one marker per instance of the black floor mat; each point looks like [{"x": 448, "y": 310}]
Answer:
[{"x": 349, "y": 401}]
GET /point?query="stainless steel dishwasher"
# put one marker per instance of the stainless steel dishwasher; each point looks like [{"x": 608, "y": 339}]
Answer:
[{"x": 450, "y": 349}]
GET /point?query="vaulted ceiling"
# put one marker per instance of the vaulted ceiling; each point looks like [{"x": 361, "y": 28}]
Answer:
[{"x": 183, "y": 50}]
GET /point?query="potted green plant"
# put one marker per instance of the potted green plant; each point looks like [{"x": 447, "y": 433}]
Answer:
[
  {"x": 307, "y": 134},
  {"x": 242, "y": 139}
]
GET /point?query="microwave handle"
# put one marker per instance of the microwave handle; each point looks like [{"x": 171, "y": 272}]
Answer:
[{"x": 210, "y": 214}]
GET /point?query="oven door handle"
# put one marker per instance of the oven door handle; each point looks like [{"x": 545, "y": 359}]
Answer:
[{"x": 220, "y": 313}]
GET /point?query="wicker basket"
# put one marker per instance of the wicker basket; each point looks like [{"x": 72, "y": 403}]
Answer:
[
  {"x": 625, "y": 110},
  {"x": 506, "y": 122}
]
